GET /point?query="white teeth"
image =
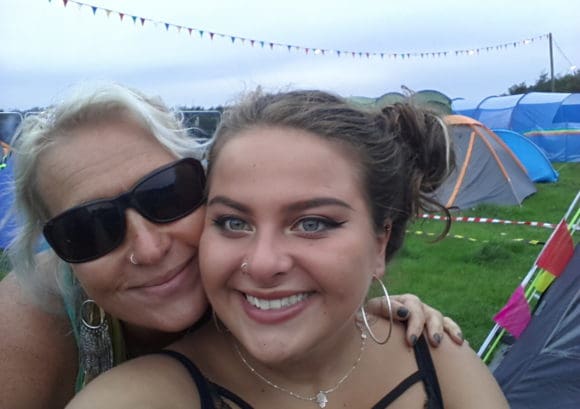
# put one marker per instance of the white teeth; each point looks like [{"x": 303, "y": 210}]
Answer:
[{"x": 276, "y": 304}]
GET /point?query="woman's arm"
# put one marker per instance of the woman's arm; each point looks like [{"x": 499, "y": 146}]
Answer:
[
  {"x": 149, "y": 382},
  {"x": 38, "y": 359},
  {"x": 419, "y": 316},
  {"x": 464, "y": 379}
]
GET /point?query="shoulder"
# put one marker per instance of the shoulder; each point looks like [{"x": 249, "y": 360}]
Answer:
[
  {"x": 153, "y": 381},
  {"x": 37, "y": 352},
  {"x": 465, "y": 381}
]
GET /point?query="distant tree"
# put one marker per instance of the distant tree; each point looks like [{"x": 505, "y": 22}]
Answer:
[{"x": 562, "y": 83}]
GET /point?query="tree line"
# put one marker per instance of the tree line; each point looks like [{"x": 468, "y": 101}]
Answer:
[{"x": 562, "y": 83}]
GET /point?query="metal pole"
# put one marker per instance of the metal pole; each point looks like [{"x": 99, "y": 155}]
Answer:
[{"x": 553, "y": 82}]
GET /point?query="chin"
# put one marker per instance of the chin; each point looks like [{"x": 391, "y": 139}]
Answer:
[{"x": 179, "y": 316}]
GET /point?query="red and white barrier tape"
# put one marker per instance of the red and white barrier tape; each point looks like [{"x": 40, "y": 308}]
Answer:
[{"x": 489, "y": 220}]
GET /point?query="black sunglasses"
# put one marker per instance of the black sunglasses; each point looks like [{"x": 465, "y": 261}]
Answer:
[{"x": 89, "y": 231}]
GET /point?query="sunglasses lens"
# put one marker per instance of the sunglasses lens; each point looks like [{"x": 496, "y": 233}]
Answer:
[
  {"x": 86, "y": 233},
  {"x": 172, "y": 193}
]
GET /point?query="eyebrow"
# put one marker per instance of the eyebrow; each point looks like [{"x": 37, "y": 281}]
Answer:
[
  {"x": 223, "y": 200},
  {"x": 294, "y": 207}
]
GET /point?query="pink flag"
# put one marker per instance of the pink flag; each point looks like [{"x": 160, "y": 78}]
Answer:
[
  {"x": 515, "y": 315},
  {"x": 558, "y": 252}
]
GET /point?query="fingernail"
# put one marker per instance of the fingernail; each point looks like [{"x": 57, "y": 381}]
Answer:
[
  {"x": 413, "y": 339},
  {"x": 402, "y": 312},
  {"x": 437, "y": 338},
  {"x": 460, "y": 335}
]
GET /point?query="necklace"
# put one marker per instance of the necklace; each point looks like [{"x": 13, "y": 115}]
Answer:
[{"x": 321, "y": 397}]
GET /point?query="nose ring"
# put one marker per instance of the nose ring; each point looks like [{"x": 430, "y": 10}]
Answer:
[
  {"x": 244, "y": 267},
  {"x": 133, "y": 260}
]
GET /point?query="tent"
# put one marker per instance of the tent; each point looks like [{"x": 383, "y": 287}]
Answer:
[
  {"x": 531, "y": 155},
  {"x": 534, "y": 348},
  {"x": 550, "y": 119},
  {"x": 6, "y": 225},
  {"x": 486, "y": 169},
  {"x": 431, "y": 99},
  {"x": 542, "y": 369}
]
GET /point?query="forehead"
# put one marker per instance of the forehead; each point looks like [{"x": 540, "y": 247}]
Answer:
[
  {"x": 97, "y": 161},
  {"x": 286, "y": 158}
]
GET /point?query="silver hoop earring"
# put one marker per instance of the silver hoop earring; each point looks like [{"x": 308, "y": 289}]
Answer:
[
  {"x": 133, "y": 260},
  {"x": 95, "y": 346},
  {"x": 366, "y": 322},
  {"x": 244, "y": 267}
]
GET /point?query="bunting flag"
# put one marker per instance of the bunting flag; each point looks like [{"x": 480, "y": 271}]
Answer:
[
  {"x": 543, "y": 281},
  {"x": 318, "y": 51},
  {"x": 515, "y": 315},
  {"x": 558, "y": 252}
]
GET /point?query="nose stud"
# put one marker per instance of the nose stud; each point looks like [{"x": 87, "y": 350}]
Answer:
[
  {"x": 244, "y": 267},
  {"x": 133, "y": 260}
]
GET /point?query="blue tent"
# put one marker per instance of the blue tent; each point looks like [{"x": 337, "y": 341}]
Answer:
[
  {"x": 531, "y": 155},
  {"x": 551, "y": 120},
  {"x": 6, "y": 226}
]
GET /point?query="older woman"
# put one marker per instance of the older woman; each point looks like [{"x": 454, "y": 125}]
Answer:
[{"x": 109, "y": 178}]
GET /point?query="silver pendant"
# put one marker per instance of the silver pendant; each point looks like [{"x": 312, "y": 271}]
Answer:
[{"x": 321, "y": 399}]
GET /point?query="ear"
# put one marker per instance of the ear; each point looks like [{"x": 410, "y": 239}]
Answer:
[{"x": 382, "y": 239}]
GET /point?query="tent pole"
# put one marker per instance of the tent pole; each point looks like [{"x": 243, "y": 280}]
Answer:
[{"x": 552, "y": 81}]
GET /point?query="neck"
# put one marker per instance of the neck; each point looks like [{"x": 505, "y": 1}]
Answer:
[
  {"x": 140, "y": 341},
  {"x": 321, "y": 368}
]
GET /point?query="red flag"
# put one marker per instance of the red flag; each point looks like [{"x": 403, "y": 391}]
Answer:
[
  {"x": 558, "y": 251},
  {"x": 515, "y": 315}
]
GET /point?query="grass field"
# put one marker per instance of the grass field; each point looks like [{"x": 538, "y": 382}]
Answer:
[{"x": 471, "y": 279}]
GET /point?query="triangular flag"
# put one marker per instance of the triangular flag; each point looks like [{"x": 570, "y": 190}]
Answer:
[
  {"x": 515, "y": 315},
  {"x": 558, "y": 251}
]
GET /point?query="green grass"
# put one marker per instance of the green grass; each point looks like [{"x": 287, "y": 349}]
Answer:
[{"x": 471, "y": 279}]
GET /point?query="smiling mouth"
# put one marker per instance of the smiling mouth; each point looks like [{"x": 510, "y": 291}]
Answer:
[{"x": 278, "y": 303}]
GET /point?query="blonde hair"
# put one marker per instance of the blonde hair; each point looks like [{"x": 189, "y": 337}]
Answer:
[{"x": 87, "y": 104}]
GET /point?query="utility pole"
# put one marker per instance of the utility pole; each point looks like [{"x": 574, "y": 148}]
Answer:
[{"x": 553, "y": 82}]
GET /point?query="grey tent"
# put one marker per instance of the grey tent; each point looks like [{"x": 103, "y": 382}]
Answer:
[
  {"x": 542, "y": 369},
  {"x": 487, "y": 170}
]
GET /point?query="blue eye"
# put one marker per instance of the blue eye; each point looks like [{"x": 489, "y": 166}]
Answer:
[
  {"x": 233, "y": 224},
  {"x": 311, "y": 225},
  {"x": 316, "y": 224}
]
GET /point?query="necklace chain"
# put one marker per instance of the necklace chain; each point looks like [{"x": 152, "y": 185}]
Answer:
[{"x": 321, "y": 397}]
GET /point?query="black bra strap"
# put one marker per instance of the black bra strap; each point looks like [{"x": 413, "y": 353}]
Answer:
[
  {"x": 426, "y": 367},
  {"x": 203, "y": 388},
  {"x": 399, "y": 390}
]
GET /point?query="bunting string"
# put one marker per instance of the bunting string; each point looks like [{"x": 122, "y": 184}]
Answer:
[{"x": 272, "y": 45}]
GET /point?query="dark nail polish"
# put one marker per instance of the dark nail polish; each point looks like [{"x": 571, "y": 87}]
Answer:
[
  {"x": 402, "y": 312},
  {"x": 437, "y": 338},
  {"x": 413, "y": 339}
]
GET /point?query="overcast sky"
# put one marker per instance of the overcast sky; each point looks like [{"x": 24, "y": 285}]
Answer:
[{"x": 46, "y": 47}]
